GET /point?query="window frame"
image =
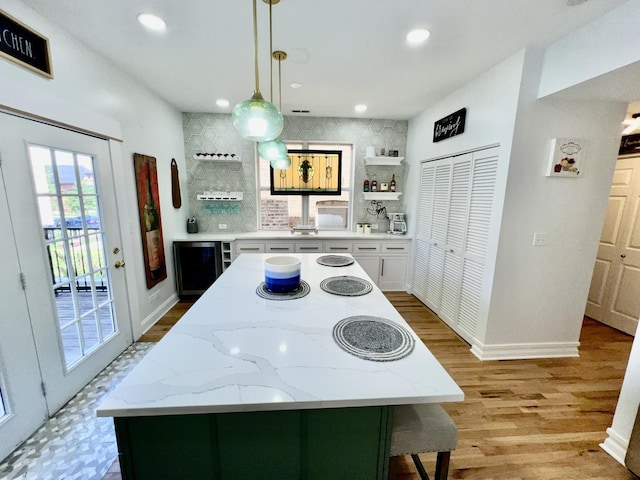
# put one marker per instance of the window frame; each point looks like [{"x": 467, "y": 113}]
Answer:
[{"x": 348, "y": 161}]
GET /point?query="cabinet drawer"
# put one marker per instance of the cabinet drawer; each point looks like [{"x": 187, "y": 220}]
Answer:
[
  {"x": 249, "y": 248},
  {"x": 395, "y": 247},
  {"x": 279, "y": 247},
  {"x": 309, "y": 247},
  {"x": 366, "y": 247},
  {"x": 338, "y": 247}
]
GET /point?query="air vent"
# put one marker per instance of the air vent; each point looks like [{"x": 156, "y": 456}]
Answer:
[{"x": 300, "y": 111}]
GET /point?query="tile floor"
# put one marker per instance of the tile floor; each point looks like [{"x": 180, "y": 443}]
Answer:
[{"x": 75, "y": 444}]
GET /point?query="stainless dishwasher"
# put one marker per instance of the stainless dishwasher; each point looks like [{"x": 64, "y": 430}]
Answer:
[{"x": 198, "y": 265}]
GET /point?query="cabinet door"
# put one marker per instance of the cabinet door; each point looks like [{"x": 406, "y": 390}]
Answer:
[
  {"x": 279, "y": 247},
  {"x": 423, "y": 230},
  {"x": 338, "y": 247},
  {"x": 370, "y": 264},
  {"x": 308, "y": 247},
  {"x": 393, "y": 272}
]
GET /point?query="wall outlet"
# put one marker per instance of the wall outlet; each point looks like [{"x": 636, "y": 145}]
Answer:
[
  {"x": 539, "y": 239},
  {"x": 374, "y": 226},
  {"x": 222, "y": 226}
]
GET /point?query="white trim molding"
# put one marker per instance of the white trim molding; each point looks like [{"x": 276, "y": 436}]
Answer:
[
  {"x": 521, "y": 351},
  {"x": 615, "y": 445}
]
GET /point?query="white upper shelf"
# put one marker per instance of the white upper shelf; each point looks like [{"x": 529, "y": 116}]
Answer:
[{"x": 383, "y": 160}]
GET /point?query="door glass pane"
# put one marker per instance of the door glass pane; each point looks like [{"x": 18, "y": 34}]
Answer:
[{"x": 69, "y": 211}]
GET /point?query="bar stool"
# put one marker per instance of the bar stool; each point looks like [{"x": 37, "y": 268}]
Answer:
[{"x": 423, "y": 428}]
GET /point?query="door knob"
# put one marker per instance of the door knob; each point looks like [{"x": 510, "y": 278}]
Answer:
[
  {"x": 116, "y": 251},
  {"x": 119, "y": 264}
]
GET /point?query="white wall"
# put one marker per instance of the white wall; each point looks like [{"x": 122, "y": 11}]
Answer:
[
  {"x": 606, "y": 44},
  {"x": 534, "y": 300},
  {"x": 540, "y": 293},
  {"x": 114, "y": 101}
]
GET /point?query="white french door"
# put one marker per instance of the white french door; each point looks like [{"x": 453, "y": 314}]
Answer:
[
  {"x": 614, "y": 295},
  {"x": 22, "y": 405},
  {"x": 61, "y": 201}
]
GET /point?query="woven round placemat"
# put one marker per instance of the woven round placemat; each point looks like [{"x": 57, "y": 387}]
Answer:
[
  {"x": 335, "y": 260},
  {"x": 299, "y": 292},
  {"x": 373, "y": 338},
  {"x": 346, "y": 285}
]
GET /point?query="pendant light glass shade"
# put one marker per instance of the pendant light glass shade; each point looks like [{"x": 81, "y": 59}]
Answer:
[
  {"x": 281, "y": 163},
  {"x": 272, "y": 150},
  {"x": 257, "y": 120}
]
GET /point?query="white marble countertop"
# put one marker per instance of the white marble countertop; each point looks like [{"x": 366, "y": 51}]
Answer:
[
  {"x": 234, "y": 351},
  {"x": 284, "y": 235}
]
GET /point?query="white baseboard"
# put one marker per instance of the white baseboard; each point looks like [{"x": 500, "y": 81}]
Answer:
[
  {"x": 615, "y": 445},
  {"x": 151, "y": 319},
  {"x": 520, "y": 351}
]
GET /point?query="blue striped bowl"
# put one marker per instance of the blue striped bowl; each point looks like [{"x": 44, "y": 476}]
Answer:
[{"x": 282, "y": 274}]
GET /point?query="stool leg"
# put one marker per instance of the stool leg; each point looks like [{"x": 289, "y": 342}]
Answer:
[
  {"x": 421, "y": 471},
  {"x": 442, "y": 465}
]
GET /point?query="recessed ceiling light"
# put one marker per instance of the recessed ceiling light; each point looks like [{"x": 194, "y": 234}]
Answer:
[
  {"x": 418, "y": 36},
  {"x": 151, "y": 21},
  {"x": 360, "y": 108},
  {"x": 221, "y": 102},
  {"x": 295, "y": 85}
]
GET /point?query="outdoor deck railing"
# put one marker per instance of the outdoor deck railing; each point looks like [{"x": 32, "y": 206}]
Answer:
[{"x": 79, "y": 258}]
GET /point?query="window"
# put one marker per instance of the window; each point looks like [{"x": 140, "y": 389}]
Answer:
[{"x": 282, "y": 212}]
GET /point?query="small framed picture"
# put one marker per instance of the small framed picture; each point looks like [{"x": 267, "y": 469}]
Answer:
[
  {"x": 384, "y": 187},
  {"x": 566, "y": 158}
]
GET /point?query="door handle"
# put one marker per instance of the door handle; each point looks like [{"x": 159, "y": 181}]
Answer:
[{"x": 119, "y": 264}]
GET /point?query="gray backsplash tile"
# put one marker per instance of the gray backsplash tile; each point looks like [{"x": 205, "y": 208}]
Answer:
[{"x": 214, "y": 133}]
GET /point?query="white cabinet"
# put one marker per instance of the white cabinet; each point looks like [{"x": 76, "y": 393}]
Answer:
[
  {"x": 384, "y": 261},
  {"x": 454, "y": 217},
  {"x": 242, "y": 246}
]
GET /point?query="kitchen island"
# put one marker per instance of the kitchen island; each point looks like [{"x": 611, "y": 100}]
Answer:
[{"x": 247, "y": 387}]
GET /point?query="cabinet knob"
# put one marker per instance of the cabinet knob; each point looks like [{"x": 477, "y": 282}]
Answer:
[{"x": 622, "y": 255}]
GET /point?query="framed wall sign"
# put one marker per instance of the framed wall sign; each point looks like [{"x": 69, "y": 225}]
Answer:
[
  {"x": 150, "y": 219},
  {"x": 24, "y": 46},
  {"x": 566, "y": 157},
  {"x": 629, "y": 144},
  {"x": 450, "y": 126}
]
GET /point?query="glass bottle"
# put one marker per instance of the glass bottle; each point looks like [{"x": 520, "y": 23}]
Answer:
[
  {"x": 365, "y": 187},
  {"x": 152, "y": 231},
  {"x": 374, "y": 184},
  {"x": 392, "y": 185}
]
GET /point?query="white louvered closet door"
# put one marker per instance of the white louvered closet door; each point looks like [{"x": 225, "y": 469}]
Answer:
[
  {"x": 454, "y": 220},
  {"x": 455, "y": 238},
  {"x": 435, "y": 269},
  {"x": 423, "y": 231},
  {"x": 483, "y": 182}
]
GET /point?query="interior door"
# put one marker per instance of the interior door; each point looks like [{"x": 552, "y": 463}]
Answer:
[
  {"x": 22, "y": 404},
  {"x": 62, "y": 203},
  {"x": 614, "y": 295}
]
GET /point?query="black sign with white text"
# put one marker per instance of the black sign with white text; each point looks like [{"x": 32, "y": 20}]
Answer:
[
  {"x": 449, "y": 126},
  {"x": 24, "y": 46},
  {"x": 629, "y": 144}
]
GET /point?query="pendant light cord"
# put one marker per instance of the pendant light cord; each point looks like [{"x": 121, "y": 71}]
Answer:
[
  {"x": 271, "y": 52},
  {"x": 255, "y": 45}
]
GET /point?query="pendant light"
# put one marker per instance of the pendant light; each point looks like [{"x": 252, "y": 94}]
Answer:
[
  {"x": 256, "y": 119},
  {"x": 272, "y": 150},
  {"x": 283, "y": 161}
]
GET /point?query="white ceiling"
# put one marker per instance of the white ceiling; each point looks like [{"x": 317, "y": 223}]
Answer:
[{"x": 344, "y": 52}]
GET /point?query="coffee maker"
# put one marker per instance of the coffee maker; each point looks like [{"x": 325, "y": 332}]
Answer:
[{"x": 397, "y": 223}]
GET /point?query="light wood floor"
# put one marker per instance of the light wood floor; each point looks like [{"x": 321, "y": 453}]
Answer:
[{"x": 521, "y": 419}]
